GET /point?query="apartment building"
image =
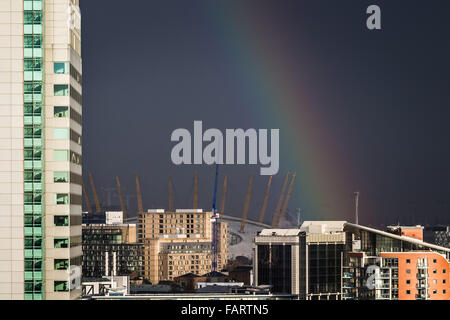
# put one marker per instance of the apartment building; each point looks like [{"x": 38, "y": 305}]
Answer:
[
  {"x": 180, "y": 242},
  {"x": 110, "y": 247},
  {"x": 40, "y": 149},
  {"x": 394, "y": 265}
]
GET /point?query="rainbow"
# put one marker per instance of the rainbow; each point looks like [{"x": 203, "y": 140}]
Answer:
[{"x": 263, "y": 56}]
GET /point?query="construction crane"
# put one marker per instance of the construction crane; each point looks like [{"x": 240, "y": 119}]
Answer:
[
  {"x": 224, "y": 194},
  {"x": 86, "y": 198},
  {"x": 264, "y": 204},
  {"x": 139, "y": 195},
  {"x": 280, "y": 201},
  {"x": 215, "y": 222},
  {"x": 247, "y": 203},
  {"x": 170, "y": 195},
  {"x": 286, "y": 201},
  {"x": 94, "y": 192},
  {"x": 122, "y": 203},
  {"x": 195, "y": 202}
]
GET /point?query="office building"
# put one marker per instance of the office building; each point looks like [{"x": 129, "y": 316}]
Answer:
[
  {"x": 40, "y": 149},
  {"x": 305, "y": 261}
]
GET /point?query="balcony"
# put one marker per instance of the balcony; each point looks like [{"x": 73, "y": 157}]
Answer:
[{"x": 422, "y": 296}]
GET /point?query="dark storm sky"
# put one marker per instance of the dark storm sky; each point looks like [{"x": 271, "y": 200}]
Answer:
[{"x": 153, "y": 66}]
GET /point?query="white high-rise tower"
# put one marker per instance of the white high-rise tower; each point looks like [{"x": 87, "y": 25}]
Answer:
[{"x": 40, "y": 149}]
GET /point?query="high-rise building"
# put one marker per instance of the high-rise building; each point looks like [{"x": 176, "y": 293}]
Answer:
[{"x": 40, "y": 149}]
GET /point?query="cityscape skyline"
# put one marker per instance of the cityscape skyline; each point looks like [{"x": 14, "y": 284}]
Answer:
[
  {"x": 328, "y": 120},
  {"x": 366, "y": 109}
]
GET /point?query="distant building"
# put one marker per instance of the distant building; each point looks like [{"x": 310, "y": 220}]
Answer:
[
  {"x": 104, "y": 217},
  {"x": 111, "y": 250},
  {"x": 415, "y": 232},
  {"x": 305, "y": 261},
  {"x": 438, "y": 235},
  {"x": 176, "y": 243},
  {"x": 189, "y": 281},
  {"x": 218, "y": 287},
  {"x": 242, "y": 274},
  {"x": 104, "y": 286}
]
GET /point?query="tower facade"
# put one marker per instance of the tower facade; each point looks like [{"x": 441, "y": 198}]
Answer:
[{"x": 40, "y": 149}]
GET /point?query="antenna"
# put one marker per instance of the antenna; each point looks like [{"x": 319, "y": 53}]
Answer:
[
  {"x": 356, "y": 206},
  {"x": 299, "y": 212},
  {"x": 195, "y": 201}
]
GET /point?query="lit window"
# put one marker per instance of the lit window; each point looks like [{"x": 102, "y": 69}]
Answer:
[
  {"x": 61, "y": 133},
  {"x": 61, "y": 264},
  {"x": 62, "y": 198},
  {"x": 61, "y": 243},
  {"x": 61, "y": 112},
  {"x": 61, "y": 67},
  {"x": 61, "y": 155},
  {"x": 60, "y": 176},
  {"x": 61, "y": 90},
  {"x": 61, "y": 286}
]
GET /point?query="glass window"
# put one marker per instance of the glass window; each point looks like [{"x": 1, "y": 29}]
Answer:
[
  {"x": 61, "y": 112},
  {"x": 61, "y": 286},
  {"x": 61, "y": 243},
  {"x": 61, "y": 90},
  {"x": 61, "y": 67},
  {"x": 60, "y": 176},
  {"x": 61, "y": 264},
  {"x": 60, "y": 133},
  {"x": 61, "y": 221},
  {"x": 62, "y": 198},
  {"x": 61, "y": 155}
]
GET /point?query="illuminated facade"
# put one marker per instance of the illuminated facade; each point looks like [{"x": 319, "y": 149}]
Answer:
[{"x": 40, "y": 149}]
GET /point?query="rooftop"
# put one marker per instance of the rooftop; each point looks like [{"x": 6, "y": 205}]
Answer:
[{"x": 394, "y": 236}]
